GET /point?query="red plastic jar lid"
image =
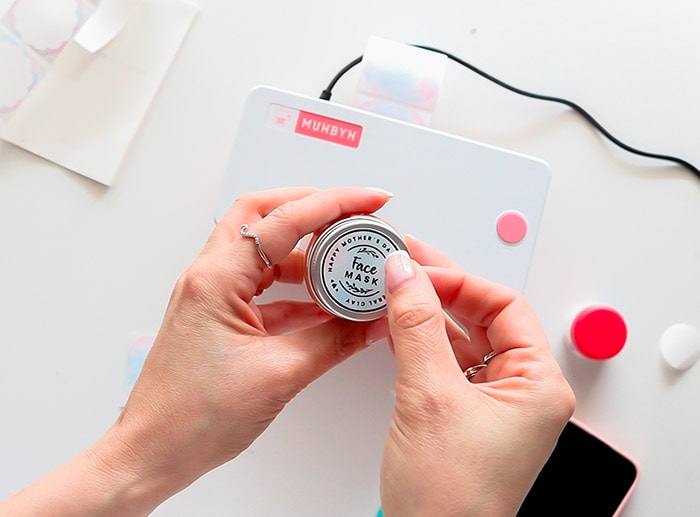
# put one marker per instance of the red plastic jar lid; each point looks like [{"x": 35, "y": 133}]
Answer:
[{"x": 598, "y": 332}]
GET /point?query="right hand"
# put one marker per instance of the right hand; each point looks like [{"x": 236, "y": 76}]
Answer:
[{"x": 457, "y": 447}]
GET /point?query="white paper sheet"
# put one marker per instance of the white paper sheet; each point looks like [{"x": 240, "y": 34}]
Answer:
[{"x": 85, "y": 112}]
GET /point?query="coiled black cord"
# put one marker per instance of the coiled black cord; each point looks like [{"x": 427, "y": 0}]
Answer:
[{"x": 326, "y": 95}]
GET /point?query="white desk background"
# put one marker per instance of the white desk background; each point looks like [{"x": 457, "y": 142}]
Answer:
[{"x": 82, "y": 267}]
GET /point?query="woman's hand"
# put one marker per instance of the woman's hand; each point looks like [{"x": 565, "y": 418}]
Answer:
[
  {"x": 457, "y": 447},
  {"x": 221, "y": 367}
]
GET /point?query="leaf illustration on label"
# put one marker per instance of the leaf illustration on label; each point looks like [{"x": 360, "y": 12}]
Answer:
[
  {"x": 358, "y": 290},
  {"x": 369, "y": 251}
]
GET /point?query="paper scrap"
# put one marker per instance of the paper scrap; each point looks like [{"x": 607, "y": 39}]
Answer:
[{"x": 85, "y": 112}]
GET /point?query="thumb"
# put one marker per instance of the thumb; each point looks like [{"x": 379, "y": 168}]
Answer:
[{"x": 416, "y": 322}]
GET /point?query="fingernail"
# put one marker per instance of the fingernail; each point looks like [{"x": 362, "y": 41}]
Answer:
[
  {"x": 409, "y": 236},
  {"x": 398, "y": 269},
  {"x": 381, "y": 191}
]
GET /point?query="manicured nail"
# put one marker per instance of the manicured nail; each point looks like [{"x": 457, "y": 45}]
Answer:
[
  {"x": 381, "y": 191},
  {"x": 398, "y": 269}
]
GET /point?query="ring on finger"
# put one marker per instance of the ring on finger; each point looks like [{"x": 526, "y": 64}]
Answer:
[
  {"x": 473, "y": 370},
  {"x": 258, "y": 246},
  {"x": 490, "y": 356}
]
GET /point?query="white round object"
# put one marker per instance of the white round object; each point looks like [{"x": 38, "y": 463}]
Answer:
[
  {"x": 46, "y": 25},
  {"x": 680, "y": 346}
]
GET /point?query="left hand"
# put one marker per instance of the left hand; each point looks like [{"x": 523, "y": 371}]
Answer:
[{"x": 221, "y": 368}]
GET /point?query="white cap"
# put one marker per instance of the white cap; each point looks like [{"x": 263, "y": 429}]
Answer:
[{"x": 680, "y": 346}]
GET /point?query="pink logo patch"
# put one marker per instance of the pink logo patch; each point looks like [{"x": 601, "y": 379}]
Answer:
[{"x": 329, "y": 129}]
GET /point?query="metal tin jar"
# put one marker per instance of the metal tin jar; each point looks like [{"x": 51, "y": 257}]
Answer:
[{"x": 345, "y": 266}]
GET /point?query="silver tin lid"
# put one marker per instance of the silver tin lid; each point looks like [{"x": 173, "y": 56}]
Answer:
[{"x": 345, "y": 266}]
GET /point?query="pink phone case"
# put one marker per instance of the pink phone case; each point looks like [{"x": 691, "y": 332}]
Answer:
[{"x": 621, "y": 453}]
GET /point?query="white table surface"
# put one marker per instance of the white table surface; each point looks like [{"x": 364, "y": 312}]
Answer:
[{"x": 83, "y": 267}]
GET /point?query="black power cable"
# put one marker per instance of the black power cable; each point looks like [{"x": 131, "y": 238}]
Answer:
[{"x": 326, "y": 95}]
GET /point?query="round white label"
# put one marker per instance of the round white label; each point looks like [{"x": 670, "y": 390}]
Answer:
[{"x": 353, "y": 270}]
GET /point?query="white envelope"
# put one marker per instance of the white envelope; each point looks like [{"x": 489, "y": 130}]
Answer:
[{"x": 85, "y": 112}]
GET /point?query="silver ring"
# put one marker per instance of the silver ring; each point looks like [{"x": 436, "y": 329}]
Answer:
[
  {"x": 490, "y": 356},
  {"x": 254, "y": 236},
  {"x": 473, "y": 370}
]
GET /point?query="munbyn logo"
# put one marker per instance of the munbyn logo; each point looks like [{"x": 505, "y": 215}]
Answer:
[{"x": 329, "y": 129}]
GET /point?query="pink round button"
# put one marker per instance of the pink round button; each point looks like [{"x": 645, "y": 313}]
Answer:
[
  {"x": 511, "y": 227},
  {"x": 598, "y": 332}
]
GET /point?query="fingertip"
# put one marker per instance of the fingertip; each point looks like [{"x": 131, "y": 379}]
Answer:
[
  {"x": 428, "y": 255},
  {"x": 418, "y": 337},
  {"x": 387, "y": 194},
  {"x": 398, "y": 269}
]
